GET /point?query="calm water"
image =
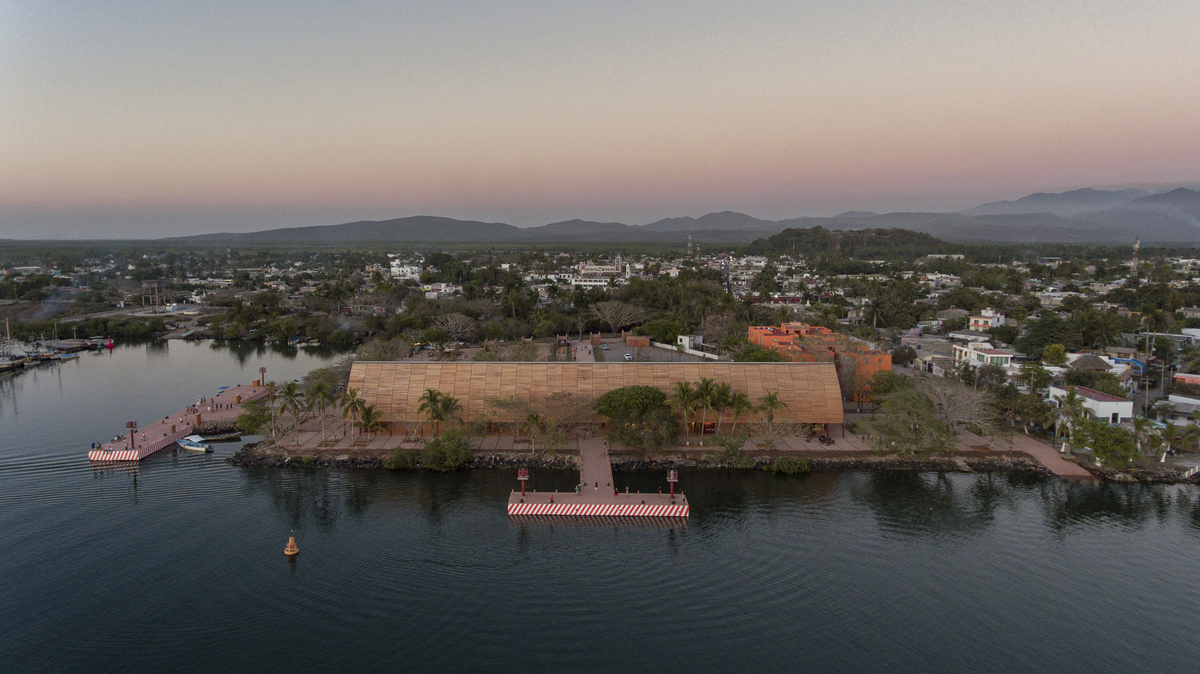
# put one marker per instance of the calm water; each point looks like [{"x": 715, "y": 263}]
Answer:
[{"x": 183, "y": 570}]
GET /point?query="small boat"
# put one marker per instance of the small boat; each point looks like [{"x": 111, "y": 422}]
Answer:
[{"x": 193, "y": 443}]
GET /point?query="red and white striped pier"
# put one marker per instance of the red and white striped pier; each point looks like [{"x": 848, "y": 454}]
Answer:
[
  {"x": 163, "y": 433},
  {"x": 597, "y": 495}
]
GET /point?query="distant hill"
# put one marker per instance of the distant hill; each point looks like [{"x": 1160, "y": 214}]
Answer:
[
  {"x": 1170, "y": 216},
  {"x": 863, "y": 244},
  {"x": 1160, "y": 218},
  {"x": 725, "y": 220},
  {"x": 416, "y": 228},
  {"x": 1065, "y": 204}
]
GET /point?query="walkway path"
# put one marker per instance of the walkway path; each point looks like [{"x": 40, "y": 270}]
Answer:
[
  {"x": 1050, "y": 458},
  {"x": 156, "y": 435},
  {"x": 597, "y": 495}
]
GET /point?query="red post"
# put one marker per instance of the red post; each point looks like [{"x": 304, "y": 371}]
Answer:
[
  {"x": 132, "y": 426},
  {"x": 262, "y": 376},
  {"x": 522, "y": 475},
  {"x": 672, "y": 478}
]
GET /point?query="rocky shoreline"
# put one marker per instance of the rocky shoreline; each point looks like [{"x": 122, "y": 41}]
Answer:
[{"x": 252, "y": 456}]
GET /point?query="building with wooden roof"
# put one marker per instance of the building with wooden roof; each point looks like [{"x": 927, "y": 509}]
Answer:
[{"x": 810, "y": 390}]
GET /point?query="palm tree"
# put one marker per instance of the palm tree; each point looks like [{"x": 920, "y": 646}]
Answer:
[
  {"x": 1070, "y": 411},
  {"x": 350, "y": 404},
  {"x": 721, "y": 399},
  {"x": 684, "y": 400},
  {"x": 769, "y": 404},
  {"x": 320, "y": 396},
  {"x": 291, "y": 399},
  {"x": 438, "y": 407},
  {"x": 1106, "y": 329},
  {"x": 1168, "y": 433},
  {"x": 740, "y": 404},
  {"x": 451, "y": 408},
  {"x": 1143, "y": 432},
  {"x": 706, "y": 392},
  {"x": 371, "y": 419},
  {"x": 431, "y": 406}
]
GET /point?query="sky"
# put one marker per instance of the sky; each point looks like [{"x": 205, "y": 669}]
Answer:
[{"x": 124, "y": 119}]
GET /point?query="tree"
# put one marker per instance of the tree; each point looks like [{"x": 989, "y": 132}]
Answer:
[
  {"x": 320, "y": 397},
  {"x": 440, "y": 408},
  {"x": 740, "y": 404},
  {"x": 1145, "y": 437},
  {"x": 638, "y": 417},
  {"x": 929, "y": 416},
  {"x": 906, "y": 423},
  {"x": 684, "y": 400},
  {"x": 769, "y": 405},
  {"x": 291, "y": 401},
  {"x": 1070, "y": 411},
  {"x": 754, "y": 353},
  {"x": 350, "y": 404},
  {"x": 371, "y": 419},
  {"x": 380, "y": 349},
  {"x": 456, "y": 326},
  {"x": 1055, "y": 354},
  {"x": 618, "y": 314},
  {"x": 706, "y": 392},
  {"x": 886, "y": 382},
  {"x": 448, "y": 451},
  {"x": 904, "y": 356},
  {"x": 1109, "y": 444},
  {"x": 1036, "y": 376},
  {"x": 990, "y": 376},
  {"x": 721, "y": 399}
]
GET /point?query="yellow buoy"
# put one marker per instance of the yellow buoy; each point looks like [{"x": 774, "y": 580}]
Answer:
[{"x": 292, "y": 549}]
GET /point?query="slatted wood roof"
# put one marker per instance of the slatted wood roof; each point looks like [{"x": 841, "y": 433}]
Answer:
[{"x": 810, "y": 390}]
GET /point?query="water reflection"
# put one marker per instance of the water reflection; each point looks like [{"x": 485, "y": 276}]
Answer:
[{"x": 905, "y": 504}]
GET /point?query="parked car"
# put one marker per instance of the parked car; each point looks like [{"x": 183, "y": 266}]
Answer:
[
  {"x": 604, "y": 347},
  {"x": 629, "y": 356}
]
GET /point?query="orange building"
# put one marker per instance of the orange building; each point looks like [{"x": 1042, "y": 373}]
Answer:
[{"x": 803, "y": 343}]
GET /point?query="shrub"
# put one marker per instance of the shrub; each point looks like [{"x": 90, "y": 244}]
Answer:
[
  {"x": 449, "y": 451},
  {"x": 402, "y": 459},
  {"x": 790, "y": 465},
  {"x": 308, "y": 460}
]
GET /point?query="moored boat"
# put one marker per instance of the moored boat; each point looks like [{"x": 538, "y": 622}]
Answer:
[{"x": 193, "y": 443}]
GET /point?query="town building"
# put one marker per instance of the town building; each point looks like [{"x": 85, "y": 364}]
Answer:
[
  {"x": 1101, "y": 406},
  {"x": 810, "y": 391}
]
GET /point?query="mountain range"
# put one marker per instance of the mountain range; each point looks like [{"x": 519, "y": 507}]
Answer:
[{"x": 1078, "y": 216}]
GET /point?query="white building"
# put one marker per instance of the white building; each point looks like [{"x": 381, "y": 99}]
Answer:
[
  {"x": 978, "y": 354},
  {"x": 1102, "y": 406},
  {"x": 986, "y": 319}
]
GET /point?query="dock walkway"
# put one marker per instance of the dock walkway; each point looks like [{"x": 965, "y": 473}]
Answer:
[
  {"x": 155, "y": 436},
  {"x": 597, "y": 496}
]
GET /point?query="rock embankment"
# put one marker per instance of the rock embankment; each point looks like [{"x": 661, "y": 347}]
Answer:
[
  {"x": 224, "y": 427},
  {"x": 848, "y": 463},
  {"x": 259, "y": 455}
]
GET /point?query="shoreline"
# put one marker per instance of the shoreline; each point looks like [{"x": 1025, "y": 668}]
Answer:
[{"x": 250, "y": 456}]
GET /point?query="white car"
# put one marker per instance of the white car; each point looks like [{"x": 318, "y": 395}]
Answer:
[{"x": 629, "y": 356}]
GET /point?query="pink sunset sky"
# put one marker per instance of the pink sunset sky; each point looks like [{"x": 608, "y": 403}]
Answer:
[{"x": 133, "y": 119}]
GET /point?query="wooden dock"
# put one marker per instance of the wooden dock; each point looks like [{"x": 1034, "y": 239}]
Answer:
[
  {"x": 597, "y": 495},
  {"x": 153, "y": 437}
]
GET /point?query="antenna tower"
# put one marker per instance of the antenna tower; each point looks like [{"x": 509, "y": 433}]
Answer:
[{"x": 1137, "y": 244}]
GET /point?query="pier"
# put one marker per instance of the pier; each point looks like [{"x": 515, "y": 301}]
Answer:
[
  {"x": 165, "y": 432},
  {"x": 597, "y": 496}
]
